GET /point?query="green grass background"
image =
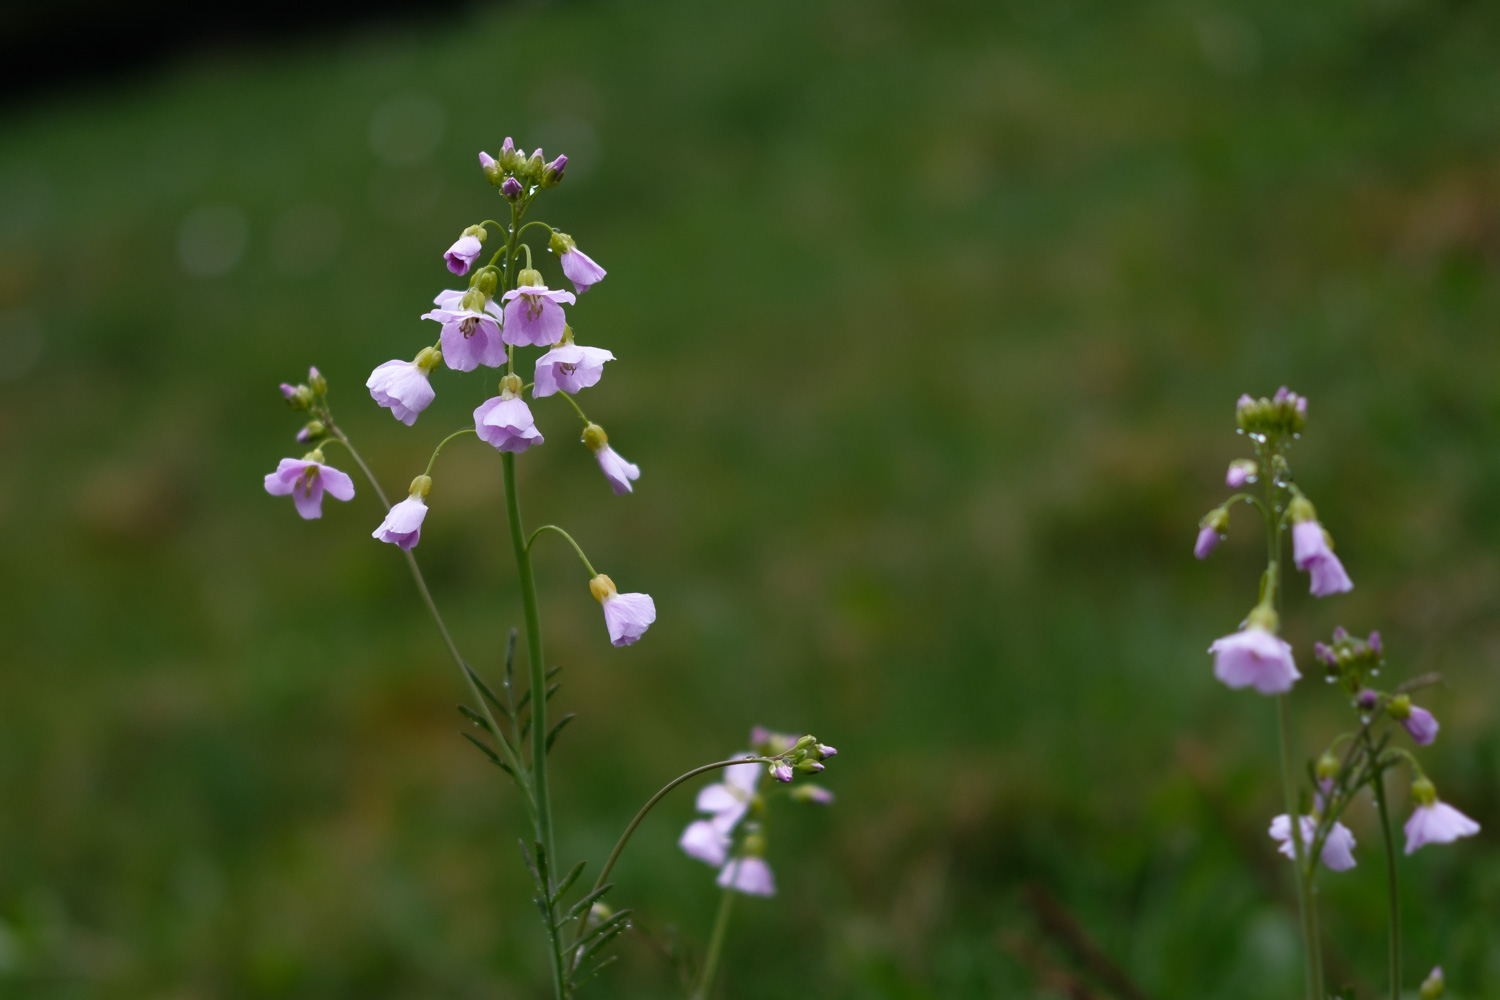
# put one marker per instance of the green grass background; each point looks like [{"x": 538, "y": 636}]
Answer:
[{"x": 930, "y": 318}]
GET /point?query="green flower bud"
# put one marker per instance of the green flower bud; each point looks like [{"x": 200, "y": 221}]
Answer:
[
  {"x": 511, "y": 386},
  {"x": 316, "y": 455},
  {"x": 485, "y": 283},
  {"x": 1423, "y": 792},
  {"x": 1433, "y": 986},
  {"x": 317, "y": 382},
  {"x": 420, "y": 486},
  {"x": 594, "y": 437},
  {"x": 804, "y": 742},
  {"x": 808, "y": 766},
  {"x": 1399, "y": 707},
  {"x": 1328, "y": 767},
  {"x": 314, "y": 429},
  {"x": 302, "y": 398},
  {"x": 476, "y": 230},
  {"x": 528, "y": 277},
  {"x": 428, "y": 358},
  {"x": 560, "y": 243}
]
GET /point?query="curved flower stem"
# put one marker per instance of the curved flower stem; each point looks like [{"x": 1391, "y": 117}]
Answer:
[
  {"x": 1377, "y": 785},
  {"x": 574, "y": 403},
  {"x": 552, "y": 527},
  {"x": 650, "y": 804},
  {"x": 439, "y": 449},
  {"x": 533, "y": 222},
  {"x": 416, "y": 573},
  {"x": 715, "y": 946}
]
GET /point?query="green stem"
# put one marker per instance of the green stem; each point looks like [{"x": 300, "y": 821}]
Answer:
[
  {"x": 576, "y": 408},
  {"x": 651, "y": 804},
  {"x": 715, "y": 946},
  {"x": 533, "y": 620},
  {"x": 1377, "y": 784},
  {"x": 552, "y": 527},
  {"x": 439, "y": 449}
]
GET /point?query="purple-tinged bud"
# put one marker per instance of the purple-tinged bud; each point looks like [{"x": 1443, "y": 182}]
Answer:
[
  {"x": 1324, "y": 653},
  {"x": 781, "y": 771},
  {"x": 1208, "y": 538},
  {"x": 492, "y": 171},
  {"x": 1433, "y": 986},
  {"x": 1302, "y": 406},
  {"x": 289, "y": 391},
  {"x": 809, "y": 766},
  {"x": 508, "y": 156},
  {"x": 807, "y": 792},
  {"x": 824, "y": 751},
  {"x": 316, "y": 381},
  {"x": 1244, "y": 402},
  {"x": 1367, "y": 699},
  {"x": 1341, "y": 634},
  {"x": 314, "y": 429},
  {"x": 552, "y": 173},
  {"x": 1241, "y": 471},
  {"x": 299, "y": 398},
  {"x": 1281, "y": 395},
  {"x": 511, "y": 188},
  {"x": 1374, "y": 642}
]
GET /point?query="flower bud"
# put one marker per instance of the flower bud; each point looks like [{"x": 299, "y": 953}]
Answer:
[
  {"x": 601, "y": 587},
  {"x": 552, "y": 173},
  {"x": 560, "y": 243},
  {"x": 1241, "y": 471},
  {"x": 1424, "y": 792},
  {"x": 314, "y": 429},
  {"x": 809, "y": 766},
  {"x": 781, "y": 771},
  {"x": 428, "y": 358},
  {"x": 804, "y": 742},
  {"x": 485, "y": 283},
  {"x": 316, "y": 381},
  {"x": 594, "y": 437},
  {"x": 533, "y": 167},
  {"x": 529, "y": 277},
  {"x": 511, "y": 386},
  {"x": 1367, "y": 699},
  {"x": 824, "y": 751},
  {"x": 301, "y": 397},
  {"x": 420, "y": 486},
  {"x": 476, "y": 231},
  {"x": 508, "y": 155},
  {"x": 1328, "y": 767},
  {"x": 492, "y": 170},
  {"x": 1399, "y": 707},
  {"x": 1433, "y": 986},
  {"x": 511, "y": 188},
  {"x": 808, "y": 792}
]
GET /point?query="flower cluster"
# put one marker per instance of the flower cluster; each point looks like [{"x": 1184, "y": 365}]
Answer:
[
  {"x": 1256, "y": 656},
  {"x": 733, "y": 838},
  {"x": 478, "y": 330}
]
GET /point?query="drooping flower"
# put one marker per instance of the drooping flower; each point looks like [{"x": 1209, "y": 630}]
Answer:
[
  {"x": 403, "y": 387},
  {"x": 403, "y": 523},
  {"x": 505, "y": 421},
  {"x": 627, "y": 616},
  {"x": 1312, "y": 551},
  {"x": 749, "y": 875},
  {"x": 533, "y": 312},
  {"x": 1434, "y": 821},
  {"x": 1211, "y": 531},
  {"x": 465, "y": 250},
  {"x": 471, "y": 326},
  {"x": 569, "y": 367},
  {"x": 579, "y": 267},
  {"x": 305, "y": 479},
  {"x": 619, "y": 472},
  {"x": 1338, "y": 846},
  {"x": 1255, "y": 656},
  {"x": 1418, "y": 722}
]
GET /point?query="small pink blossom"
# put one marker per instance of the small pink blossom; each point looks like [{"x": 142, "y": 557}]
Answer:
[
  {"x": 569, "y": 367},
  {"x": 781, "y": 771},
  {"x": 403, "y": 523},
  {"x": 705, "y": 842},
  {"x": 1255, "y": 658},
  {"x": 750, "y": 875},
  {"x": 463, "y": 253},
  {"x": 505, "y": 422},
  {"x": 1437, "y": 823},
  {"x": 627, "y": 616},
  {"x": 1338, "y": 846},
  {"x": 1241, "y": 471},
  {"x": 306, "y": 479},
  {"x": 581, "y": 269},
  {"x": 402, "y": 387},
  {"x": 471, "y": 329},
  {"x": 1311, "y": 552},
  {"x": 1208, "y": 540},
  {"x": 534, "y": 314},
  {"x": 1422, "y": 725},
  {"x": 619, "y": 472}
]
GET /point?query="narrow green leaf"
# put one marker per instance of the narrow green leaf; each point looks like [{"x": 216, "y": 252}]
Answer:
[
  {"x": 593, "y": 971},
  {"x": 567, "y": 882},
  {"x": 584, "y": 903},
  {"x": 553, "y": 672},
  {"x": 611, "y": 924},
  {"x": 477, "y": 719},
  {"x": 531, "y": 866},
  {"x": 484, "y": 689},
  {"x": 558, "y": 728}
]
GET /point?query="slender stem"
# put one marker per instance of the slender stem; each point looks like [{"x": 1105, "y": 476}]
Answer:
[
  {"x": 1377, "y": 784},
  {"x": 650, "y": 804},
  {"x": 533, "y": 619},
  {"x": 535, "y": 222},
  {"x": 439, "y": 449},
  {"x": 416, "y": 572},
  {"x": 574, "y": 403},
  {"x": 715, "y": 946},
  {"x": 552, "y": 527}
]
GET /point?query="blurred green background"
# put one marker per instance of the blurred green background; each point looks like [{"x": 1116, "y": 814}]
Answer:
[{"x": 930, "y": 318}]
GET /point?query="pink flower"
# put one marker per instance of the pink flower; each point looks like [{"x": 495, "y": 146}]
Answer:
[
  {"x": 577, "y": 265},
  {"x": 403, "y": 524},
  {"x": 305, "y": 479},
  {"x": 619, "y": 472},
  {"x": 1310, "y": 551},
  {"x": 1422, "y": 726},
  {"x": 627, "y": 616},
  {"x": 1255, "y": 658},
  {"x": 569, "y": 367},
  {"x": 1434, "y": 822},
  {"x": 1208, "y": 539},
  {"x": 1338, "y": 846},
  {"x": 403, "y": 386},
  {"x": 471, "y": 329},
  {"x": 705, "y": 842},
  {"x": 505, "y": 421},
  {"x": 709, "y": 840},
  {"x": 533, "y": 313},
  {"x": 749, "y": 875},
  {"x": 1241, "y": 471},
  {"x": 781, "y": 771},
  {"x": 462, "y": 254}
]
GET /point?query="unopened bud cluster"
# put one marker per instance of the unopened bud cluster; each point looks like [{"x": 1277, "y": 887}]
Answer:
[
  {"x": 1349, "y": 660},
  {"x": 1267, "y": 418}
]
